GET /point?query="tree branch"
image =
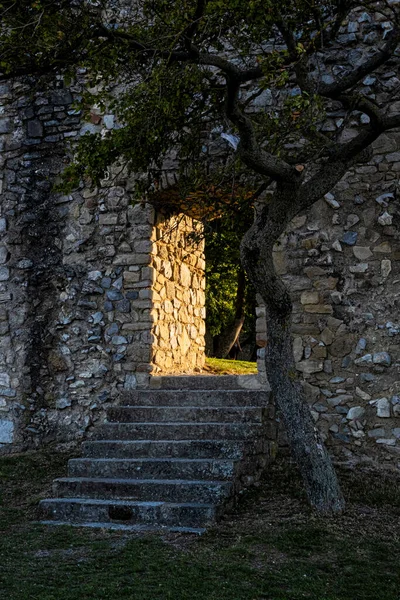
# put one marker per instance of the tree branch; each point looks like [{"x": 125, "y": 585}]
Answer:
[
  {"x": 193, "y": 27},
  {"x": 333, "y": 90},
  {"x": 288, "y": 37},
  {"x": 251, "y": 153},
  {"x": 391, "y": 122},
  {"x": 321, "y": 183},
  {"x": 365, "y": 105},
  {"x": 341, "y": 158}
]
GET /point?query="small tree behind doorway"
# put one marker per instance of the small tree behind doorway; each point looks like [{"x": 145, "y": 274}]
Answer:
[{"x": 230, "y": 298}]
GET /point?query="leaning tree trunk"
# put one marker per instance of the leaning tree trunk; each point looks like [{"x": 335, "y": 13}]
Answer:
[
  {"x": 307, "y": 447},
  {"x": 228, "y": 337}
]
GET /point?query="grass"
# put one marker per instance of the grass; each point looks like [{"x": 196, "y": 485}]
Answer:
[
  {"x": 224, "y": 366},
  {"x": 272, "y": 547}
]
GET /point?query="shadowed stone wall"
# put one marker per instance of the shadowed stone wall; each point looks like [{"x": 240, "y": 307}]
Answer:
[
  {"x": 77, "y": 315},
  {"x": 342, "y": 263},
  {"x": 97, "y": 293}
]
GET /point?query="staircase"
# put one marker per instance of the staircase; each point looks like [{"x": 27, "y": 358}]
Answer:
[{"x": 172, "y": 456}]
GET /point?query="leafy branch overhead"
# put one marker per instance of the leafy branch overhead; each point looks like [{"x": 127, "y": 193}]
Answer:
[{"x": 176, "y": 74}]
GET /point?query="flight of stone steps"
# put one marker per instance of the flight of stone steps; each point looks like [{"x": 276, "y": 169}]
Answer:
[{"x": 173, "y": 456}]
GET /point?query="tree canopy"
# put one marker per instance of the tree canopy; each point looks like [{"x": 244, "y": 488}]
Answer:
[{"x": 177, "y": 74}]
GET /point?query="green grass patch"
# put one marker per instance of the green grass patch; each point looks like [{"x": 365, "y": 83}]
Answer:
[
  {"x": 224, "y": 366},
  {"x": 271, "y": 547}
]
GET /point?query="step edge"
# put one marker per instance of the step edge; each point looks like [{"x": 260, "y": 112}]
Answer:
[
  {"x": 119, "y": 502},
  {"x": 151, "y": 460},
  {"x": 189, "y": 407},
  {"x": 141, "y": 423},
  {"x": 141, "y": 481},
  {"x": 121, "y": 527},
  {"x": 221, "y": 440}
]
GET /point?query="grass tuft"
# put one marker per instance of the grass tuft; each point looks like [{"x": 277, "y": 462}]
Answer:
[{"x": 224, "y": 366}]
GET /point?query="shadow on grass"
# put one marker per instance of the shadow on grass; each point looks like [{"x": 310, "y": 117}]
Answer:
[{"x": 271, "y": 547}]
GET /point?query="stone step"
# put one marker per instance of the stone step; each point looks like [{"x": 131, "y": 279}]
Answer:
[
  {"x": 154, "y": 490},
  {"x": 152, "y": 468},
  {"x": 173, "y": 456},
  {"x": 229, "y": 449},
  {"x": 207, "y": 382},
  {"x": 155, "y": 514},
  {"x": 187, "y": 414},
  {"x": 128, "y": 528},
  {"x": 195, "y": 398},
  {"x": 179, "y": 431}
]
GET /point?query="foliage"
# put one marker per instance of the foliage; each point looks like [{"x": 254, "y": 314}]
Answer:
[
  {"x": 223, "y": 237},
  {"x": 161, "y": 66}
]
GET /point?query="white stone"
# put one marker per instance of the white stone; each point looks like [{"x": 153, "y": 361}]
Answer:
[
  {"x": 310, "y": 366},
  {"x": 382, "y": 407},
  {"x": 298, "y": 349},
  {"x": 384, "y": 198},
  {"x": 4, "y": 273},
  {"x": 309, "y": 297},
  {"x": 385, "y": 219},
  {"x": 361, "y": 394},
  {"x": 356, "y": 412},
  {"x": 109, "y": 121},
  {"x": 3, "y": 254},
  {"x": 361, "y": 268},
  {"x": 94, "y": 275},
  {"x": 362, "y": 252},
  {"x": 63, "y": 403},
  {"x": 386, "y": 268},
  {"x": 6, "y": 431},
  {"x": 330, "y": 199},
  {"x": 386, "y": 442},
  {"x": 184, "y": 342},
  {"x": 358, "y": 434},
  {"x": 130, "y": 382},
  {"x": 4, "y": 380},
  {"x": 352, "y": 220},
  {"x": 366, "y": 359},
  {"x": 185, "y": 276},
  {"x": 337, "y": 246}
]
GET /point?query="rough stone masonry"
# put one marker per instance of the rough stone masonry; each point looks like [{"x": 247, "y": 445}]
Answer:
[
  {"x": 342, "y": 263},
  {"x": 96, "y": 292}
]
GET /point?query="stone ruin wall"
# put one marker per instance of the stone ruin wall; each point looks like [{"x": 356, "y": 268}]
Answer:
[
  {"x": 342, "y": 263},
  {"x": 76, "y": 280},
  {"x": 84, "y": 291},
  {"x": 178, "y": 295}
]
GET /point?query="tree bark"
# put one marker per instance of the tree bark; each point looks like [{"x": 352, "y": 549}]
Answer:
[
  {"x": 228, "y": 337},
  {"x": 307, "y": 447}
]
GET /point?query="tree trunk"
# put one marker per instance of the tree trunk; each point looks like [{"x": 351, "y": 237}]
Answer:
[
  {"x": 228, "y": 337},
  {"x": 305, "y": 442}
]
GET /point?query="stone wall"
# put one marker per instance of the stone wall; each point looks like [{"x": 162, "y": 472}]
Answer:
[
  {"x": 341, "y": 262},
  {"x": 178, "y": 295},
  {"x": 76, "y": 281},
  {"x": 97, "y": 293}
]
